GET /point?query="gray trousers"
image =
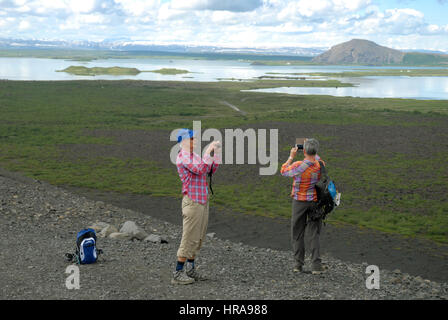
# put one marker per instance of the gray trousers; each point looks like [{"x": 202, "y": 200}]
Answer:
[{"x": 298, "y": 223}]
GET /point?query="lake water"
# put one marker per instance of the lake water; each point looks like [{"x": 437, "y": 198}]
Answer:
[
  {"x": 422, "y": 88},
  {"x": 213, "y": 70}
]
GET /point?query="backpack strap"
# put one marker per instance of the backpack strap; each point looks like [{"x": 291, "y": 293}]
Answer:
[
  {"x": 73, "y": 257},
  {"x": 210, "y": 174},
  {"x": 323, "y": 171}
]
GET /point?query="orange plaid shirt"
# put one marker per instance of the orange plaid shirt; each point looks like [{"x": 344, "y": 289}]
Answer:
[{"x": 305, "y": 176}]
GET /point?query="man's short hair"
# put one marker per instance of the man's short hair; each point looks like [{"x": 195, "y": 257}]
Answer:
[{"x": 311, "y": 146}]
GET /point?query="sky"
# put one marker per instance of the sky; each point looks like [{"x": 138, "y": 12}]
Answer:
[{"x": 399, "y": 24}]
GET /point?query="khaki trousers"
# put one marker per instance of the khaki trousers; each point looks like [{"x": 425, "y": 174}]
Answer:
[{"x": 195, "y": 222}]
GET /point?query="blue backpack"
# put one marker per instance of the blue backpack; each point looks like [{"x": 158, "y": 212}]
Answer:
[{"x": 86, "y": 251}]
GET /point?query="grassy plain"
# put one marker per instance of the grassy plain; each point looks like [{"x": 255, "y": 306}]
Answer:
[{"x": 387, "y": 155}]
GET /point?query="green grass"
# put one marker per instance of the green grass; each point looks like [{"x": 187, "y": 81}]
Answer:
[{"x": 37, "y": 116}]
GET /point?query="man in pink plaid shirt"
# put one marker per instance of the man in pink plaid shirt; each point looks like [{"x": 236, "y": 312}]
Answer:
[{"x": 193, "y": 173}]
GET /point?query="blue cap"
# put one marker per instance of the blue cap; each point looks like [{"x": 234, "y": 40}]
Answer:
[{"x": 184, "y": 134}]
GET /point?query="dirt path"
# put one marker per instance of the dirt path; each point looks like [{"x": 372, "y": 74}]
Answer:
[{"x": 233, "y": 107}]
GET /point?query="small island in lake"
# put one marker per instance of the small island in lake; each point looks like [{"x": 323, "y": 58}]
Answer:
[
  {"x": 170, "y": 71},
  {"x": 84, "y": 71}
]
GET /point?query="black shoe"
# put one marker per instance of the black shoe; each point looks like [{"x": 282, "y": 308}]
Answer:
[{"x": 298, "y": 268}]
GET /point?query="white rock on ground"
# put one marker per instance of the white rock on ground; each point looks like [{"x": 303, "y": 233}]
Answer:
[
  {"x": 98, "y": 226},
  {"x": 155, "y": 238},
  {"x": 131, "y": 228},
  {"x": 107, "y": 231},
  {"x": 120, "y": 236}
]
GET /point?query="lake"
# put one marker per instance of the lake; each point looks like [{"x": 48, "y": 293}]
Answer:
[
  {"x": 213, "y": 70},
  {"x": 422, "y": 88}
]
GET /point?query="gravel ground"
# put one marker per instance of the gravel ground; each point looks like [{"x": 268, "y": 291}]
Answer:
[{"x": 39, "y": 223}]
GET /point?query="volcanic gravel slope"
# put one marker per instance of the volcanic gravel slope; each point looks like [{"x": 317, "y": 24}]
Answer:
[{"x": 39, "y": 223}]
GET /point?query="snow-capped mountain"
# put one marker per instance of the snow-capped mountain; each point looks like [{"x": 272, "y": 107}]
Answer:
[{"x": 126, "y": 45}]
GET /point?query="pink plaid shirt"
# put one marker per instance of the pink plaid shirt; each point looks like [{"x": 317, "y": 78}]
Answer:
[{"x": 193, "y": 174}]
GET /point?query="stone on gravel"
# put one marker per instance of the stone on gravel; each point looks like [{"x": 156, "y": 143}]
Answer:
[
  {"x": 98, "y": 226},
  {"x": 153, "y": 238},
  {"x": 107, "y": 231},
  {"x": 211, "y": 235},
  {"x": 131, "y": 228},
  {"x": 120, "y": 236}
]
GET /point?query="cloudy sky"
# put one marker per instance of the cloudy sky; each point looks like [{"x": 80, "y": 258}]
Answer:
[{"x": 401, "y": 24}]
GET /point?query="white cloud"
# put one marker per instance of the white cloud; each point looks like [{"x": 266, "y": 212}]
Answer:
[
  {"x": 229, "y": 5},
  {"x": 138, "y": 7},
  {"x": 81, "y": 20},
  {"x": 167, "y": 13},
  {"x": 321, "y": 8},
  {"x": 19, "y": 2},
  {"x": 24, "y": 25},
  {"x": 221, "y": 22},
  {"x": 82, "y": 6}
]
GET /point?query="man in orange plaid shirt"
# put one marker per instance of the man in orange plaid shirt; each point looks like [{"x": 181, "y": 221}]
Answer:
[{"x": 305, "y": 175}]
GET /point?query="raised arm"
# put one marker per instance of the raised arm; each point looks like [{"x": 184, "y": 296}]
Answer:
[
  {"x": 216, "y": 160},
  {"x": 296, "y": 168},
  {"x": 198, "y": 167},
  {"x": 291, "y": 170}
]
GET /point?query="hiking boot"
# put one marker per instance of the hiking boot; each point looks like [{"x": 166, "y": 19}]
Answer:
[
  {"x": 181, "y": 277},
  {"x": 193, "y": 273},
  {"x": 298, "y": 268},
  {"x": 317, "y": 269}
]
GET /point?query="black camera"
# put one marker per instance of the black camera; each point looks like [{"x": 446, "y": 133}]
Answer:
[{"x": 299, "y": 143}]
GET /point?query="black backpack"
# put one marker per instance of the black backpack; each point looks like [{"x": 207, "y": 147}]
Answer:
[{"x": 325, "y": 202}]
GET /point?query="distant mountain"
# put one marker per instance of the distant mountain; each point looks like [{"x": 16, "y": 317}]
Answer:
[
  {"x": 365, "y": 52},
  {"x": 356, "y": 51},
  {"x": 126, "y": 45},
  {"x": 359, "y": 51}
]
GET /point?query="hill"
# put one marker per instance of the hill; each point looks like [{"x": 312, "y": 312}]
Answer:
[
  {"x": 364, "y": 52},
  {"x": 359, "y": 51}
]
